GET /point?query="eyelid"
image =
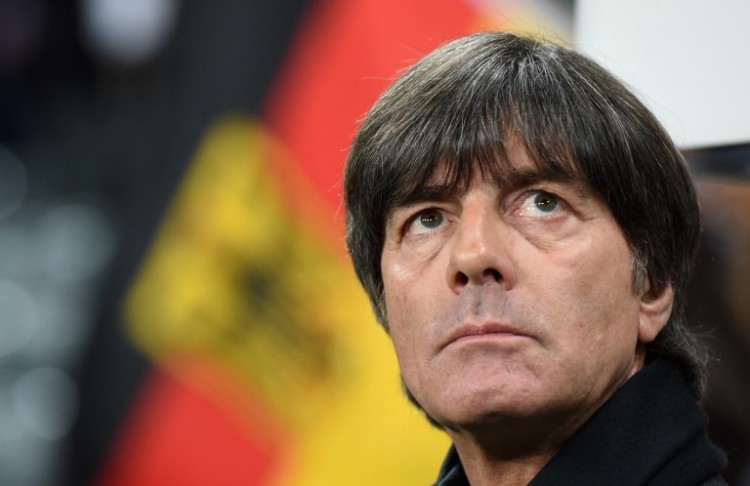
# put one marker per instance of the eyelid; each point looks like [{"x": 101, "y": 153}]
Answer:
[
  {"x": 399, "y": 219},
  {"x": 402, "y": 214},
  {"x": 535, "y": 191}
]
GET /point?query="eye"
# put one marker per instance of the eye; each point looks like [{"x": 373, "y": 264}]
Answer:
[
  {"x": 540, "y": 203},
  {"x": 425, "y": 222}
]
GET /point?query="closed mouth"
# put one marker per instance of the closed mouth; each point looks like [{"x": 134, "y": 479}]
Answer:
[{"x": 478, "y": 330}]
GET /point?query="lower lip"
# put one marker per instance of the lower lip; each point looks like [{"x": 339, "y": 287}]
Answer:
[{"x": 489, "y": 337}]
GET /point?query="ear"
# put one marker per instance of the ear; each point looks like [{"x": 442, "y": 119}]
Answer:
[{"x": 655, "y": 309}]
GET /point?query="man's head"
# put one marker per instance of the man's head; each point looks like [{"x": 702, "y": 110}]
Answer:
[{"x": 508, "y": 120}]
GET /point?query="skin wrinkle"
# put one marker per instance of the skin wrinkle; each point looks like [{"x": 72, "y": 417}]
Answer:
[
  {"x": 485, "y": 117},
  {"x": 585, "y": 390}
]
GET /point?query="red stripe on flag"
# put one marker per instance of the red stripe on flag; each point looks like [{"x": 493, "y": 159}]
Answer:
[
  {"x": 345, "y": 54},
  {"x": 178, "y": 434}
]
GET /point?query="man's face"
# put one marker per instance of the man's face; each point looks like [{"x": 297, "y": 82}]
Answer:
[{"x": 513, "y": 303}]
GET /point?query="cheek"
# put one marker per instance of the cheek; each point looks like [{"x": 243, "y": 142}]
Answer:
[
  {"x": 411, "y": 301},
  {"x": 400, "y": 304},
  {"x": 612, "y": 303},
  {"x": 404, "y": 337},
  {"x": 396, "y": 304},
  {"x": 411, "y": 288},
  {"x": 601, "y": 265},
  {"x": 593, "y": 287},
  {"x": 397, "y": 281}
]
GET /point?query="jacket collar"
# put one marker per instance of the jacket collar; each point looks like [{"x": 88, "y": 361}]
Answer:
[{"x": 651, "y": 431}]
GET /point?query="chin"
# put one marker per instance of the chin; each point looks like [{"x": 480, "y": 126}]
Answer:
[{"x": 485, "y": 407}]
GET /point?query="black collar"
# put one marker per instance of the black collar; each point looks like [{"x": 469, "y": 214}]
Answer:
[{"x": 651, "y": 432}]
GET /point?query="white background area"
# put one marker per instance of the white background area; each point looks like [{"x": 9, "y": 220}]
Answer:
[{"x": 688, "y": 60}]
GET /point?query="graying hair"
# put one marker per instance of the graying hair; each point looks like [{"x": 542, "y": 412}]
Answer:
[{"x": 459, "y": 106}]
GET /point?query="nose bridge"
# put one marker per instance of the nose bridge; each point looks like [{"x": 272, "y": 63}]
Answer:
[
  {"x": 478, "y": 254},
  {"x": 473, "y": 233}
]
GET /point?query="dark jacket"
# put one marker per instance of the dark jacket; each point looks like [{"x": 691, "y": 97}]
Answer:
[{"x": 651, "y": 432}]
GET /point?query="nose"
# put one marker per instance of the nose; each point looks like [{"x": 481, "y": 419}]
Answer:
[{"x": 479, "y": 254}]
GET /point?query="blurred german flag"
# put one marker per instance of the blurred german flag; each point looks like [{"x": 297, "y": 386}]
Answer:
[{"x": 268, "y": 368}]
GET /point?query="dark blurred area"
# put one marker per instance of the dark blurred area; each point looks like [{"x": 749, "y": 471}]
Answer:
[
  {"x": 719, "y": 303},
  {"x": 102, "y": 105}
]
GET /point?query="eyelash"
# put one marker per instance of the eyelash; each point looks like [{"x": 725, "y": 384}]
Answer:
[{"x": 520, "y": 204}]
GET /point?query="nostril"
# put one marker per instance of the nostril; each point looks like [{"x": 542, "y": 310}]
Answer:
[{"x": 491, "y": 273}]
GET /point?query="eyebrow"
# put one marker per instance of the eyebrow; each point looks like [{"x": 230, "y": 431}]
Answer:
[
  {"x": 508, "y": 180},
  {"x": 518, "y": 179},
  {"x": 430, "y": 192}
]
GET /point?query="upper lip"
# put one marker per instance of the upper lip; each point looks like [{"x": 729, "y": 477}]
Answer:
[{"x": 477, "y": 329}]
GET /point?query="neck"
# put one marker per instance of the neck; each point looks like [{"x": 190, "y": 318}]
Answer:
[
  {"x": 512, "y": 451},
  {"x": 486, "y": 469}
]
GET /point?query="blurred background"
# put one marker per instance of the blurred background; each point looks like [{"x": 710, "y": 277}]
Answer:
[{"x": 176, "y": 303}]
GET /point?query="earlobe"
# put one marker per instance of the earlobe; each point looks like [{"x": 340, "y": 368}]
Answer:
[{"x": 655, "y": 309}]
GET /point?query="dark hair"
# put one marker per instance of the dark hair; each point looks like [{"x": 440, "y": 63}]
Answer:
[{"x": 459, "y": 106}]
